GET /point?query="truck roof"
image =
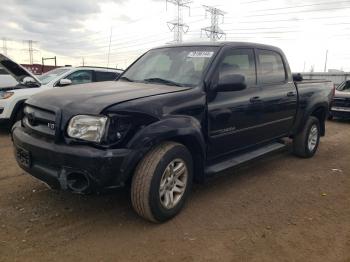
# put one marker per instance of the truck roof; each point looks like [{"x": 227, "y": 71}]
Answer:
[{"x": 223, "y": 43}]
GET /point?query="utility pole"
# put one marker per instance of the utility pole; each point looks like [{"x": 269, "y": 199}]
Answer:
[
  {"x": 109, "y": 47},
  {"x": 177, "y": 25},
  {"x": 4, "y": 46},
  {"x": 31, "y": 50},
  {"x": 43, "y": 59},
  {"x": 213, "y": 32},
  {"x": 325, "y": 63},
  {"x": 83, "y": 61}
]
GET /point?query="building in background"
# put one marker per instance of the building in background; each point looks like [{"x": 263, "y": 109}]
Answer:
[{"x": 39, "y": 69}]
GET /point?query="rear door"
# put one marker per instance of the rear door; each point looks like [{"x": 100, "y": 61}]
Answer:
[{"x": 279, "y": 94}]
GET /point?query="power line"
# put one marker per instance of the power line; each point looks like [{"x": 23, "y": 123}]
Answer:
[
  {"x": 214, "y": 32},
  {"x": 298, "y": 12},
  {"x": 177, "y": 25},
  {"x": 300, "y": 6}
]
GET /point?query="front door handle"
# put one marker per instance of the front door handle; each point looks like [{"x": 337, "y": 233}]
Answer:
[
  {"x": 255, "y": 99},
  {"x": 289, "y": 94}
]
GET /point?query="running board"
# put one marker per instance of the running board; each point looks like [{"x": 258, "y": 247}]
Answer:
[{"x": 243, "y": 158}]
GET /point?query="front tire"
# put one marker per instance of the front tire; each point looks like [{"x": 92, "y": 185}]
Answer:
[
  {"x": 162, "y": 182},
  {"x": 305, "y": 144}
]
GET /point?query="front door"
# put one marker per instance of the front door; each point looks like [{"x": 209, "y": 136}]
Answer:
[{"x": 234, "y": 116}]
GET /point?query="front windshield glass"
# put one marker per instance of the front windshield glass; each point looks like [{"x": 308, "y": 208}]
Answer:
[
  {"x": 179, "y": 66},
  {"x": 51, "y": 75}
]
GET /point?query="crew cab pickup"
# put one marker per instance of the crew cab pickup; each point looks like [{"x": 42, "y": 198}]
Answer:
[
  {"x": 12, "y": 96},
  {"x": 178, "y": 114},
  {"x": 341, "y": 101}
]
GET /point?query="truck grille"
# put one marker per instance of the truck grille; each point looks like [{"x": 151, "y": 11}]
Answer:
[
  {"x": 341, "y": 102},
  {"x": 39, "y": 120}
]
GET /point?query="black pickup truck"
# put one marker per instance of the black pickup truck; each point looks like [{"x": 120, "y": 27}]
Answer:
[{"x": 178, "y": 114}]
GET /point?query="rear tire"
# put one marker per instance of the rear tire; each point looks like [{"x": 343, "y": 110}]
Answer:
[
  {"x": 305, "y": 144},
  {"x": 162, "y": 182}
]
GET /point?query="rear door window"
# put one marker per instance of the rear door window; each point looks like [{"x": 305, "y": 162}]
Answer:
[
  {"x": 105, "y": 76},
  {"x": 270, "y": 67}
]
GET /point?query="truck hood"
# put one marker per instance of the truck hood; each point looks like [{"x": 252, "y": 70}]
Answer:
[
  {"x": 17, "y": 71},
  {"x": 93, "y": 98}
]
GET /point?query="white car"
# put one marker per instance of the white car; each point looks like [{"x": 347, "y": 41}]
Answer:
[
  {"x": 13, "y": 97},
  {"x": 6, "y": 79}
]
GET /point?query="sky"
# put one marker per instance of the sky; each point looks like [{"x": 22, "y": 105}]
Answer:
[{"x": 78, "y": 31}]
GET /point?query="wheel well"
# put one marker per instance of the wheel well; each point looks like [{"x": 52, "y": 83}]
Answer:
[
  {"x": 321, "y": 113},
  {"x": 16, "y": 109},
  {"x": 197, "y": 155}
]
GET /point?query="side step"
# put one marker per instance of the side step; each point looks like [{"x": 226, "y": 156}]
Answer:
[{"x": 243, "y": 158}]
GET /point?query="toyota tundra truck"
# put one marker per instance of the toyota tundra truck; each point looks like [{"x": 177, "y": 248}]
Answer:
[{"x": 179, "y": 114}]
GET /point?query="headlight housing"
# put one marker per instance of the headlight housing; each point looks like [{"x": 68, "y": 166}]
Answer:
[
  {"x": 5, "y": 95},
  {"x": 88, "y": 128}
]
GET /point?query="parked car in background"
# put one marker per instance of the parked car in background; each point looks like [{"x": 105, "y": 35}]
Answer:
[
  {"x": 13, "y": 96},
  {"x": 341, "y": 102},
  {"x": 6, "y": 79},
  {"x": 179, "y": 114}
]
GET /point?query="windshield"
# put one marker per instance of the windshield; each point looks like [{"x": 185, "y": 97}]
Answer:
[
  {"x": 51, "y": 75},
  {"x": 345, "y": 86},
  {"x": 179, "y": 66}
]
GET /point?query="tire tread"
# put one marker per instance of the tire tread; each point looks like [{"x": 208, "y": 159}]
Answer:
[{"x": 141, "y": 182}]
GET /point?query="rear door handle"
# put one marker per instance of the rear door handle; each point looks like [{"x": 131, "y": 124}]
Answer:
[
  {"x": 291, "y": 94},
  {"x": 255, "y": 99}
]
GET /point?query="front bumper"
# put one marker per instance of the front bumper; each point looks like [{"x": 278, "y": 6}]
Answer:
[{"x": 54, "y": 163}]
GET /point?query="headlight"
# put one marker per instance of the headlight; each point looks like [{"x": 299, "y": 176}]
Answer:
[
  {"x": 89, "y": 128},
  {"x": 5, "y": 95}
]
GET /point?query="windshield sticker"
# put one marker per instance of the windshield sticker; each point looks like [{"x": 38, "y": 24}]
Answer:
[{"x": 200, "y": 54}]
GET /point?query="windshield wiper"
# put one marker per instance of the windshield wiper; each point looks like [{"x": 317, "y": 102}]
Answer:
[
  {"x": 126, "y": 79},
  {"x": 162, "y": 81}
]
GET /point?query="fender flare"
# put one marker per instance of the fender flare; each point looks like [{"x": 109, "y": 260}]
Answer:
[
  {"x": 16, "y": 108},
  {"x": 183, "y": 129},
  {"x": 308, "y": 112}
]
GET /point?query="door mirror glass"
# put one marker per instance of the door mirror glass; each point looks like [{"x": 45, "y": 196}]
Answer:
[
  {"x": 65, "y": 82},
  {"x": 231, "y": 82}
]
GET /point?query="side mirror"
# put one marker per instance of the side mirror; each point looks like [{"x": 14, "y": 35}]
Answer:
[
  {"x": 30, "y": 82},
  {"x": 233, "y": 82},
  {"x": 65, "y": 82}
]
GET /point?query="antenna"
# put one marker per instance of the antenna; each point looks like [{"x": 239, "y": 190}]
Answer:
[
  {"x": 213, "y": 32},
  {"x": 177, "y": 25}
]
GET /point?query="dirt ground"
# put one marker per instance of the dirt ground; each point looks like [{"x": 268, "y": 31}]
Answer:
[{"x": 280, "y": 208}]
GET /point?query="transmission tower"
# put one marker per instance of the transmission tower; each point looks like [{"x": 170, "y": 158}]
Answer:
[
  {"x": 31, "y": 50},
  {"x": 177, "y": 25},
  {"x": 4, "y": 46},
  {"x": 214, "y": 32}
]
